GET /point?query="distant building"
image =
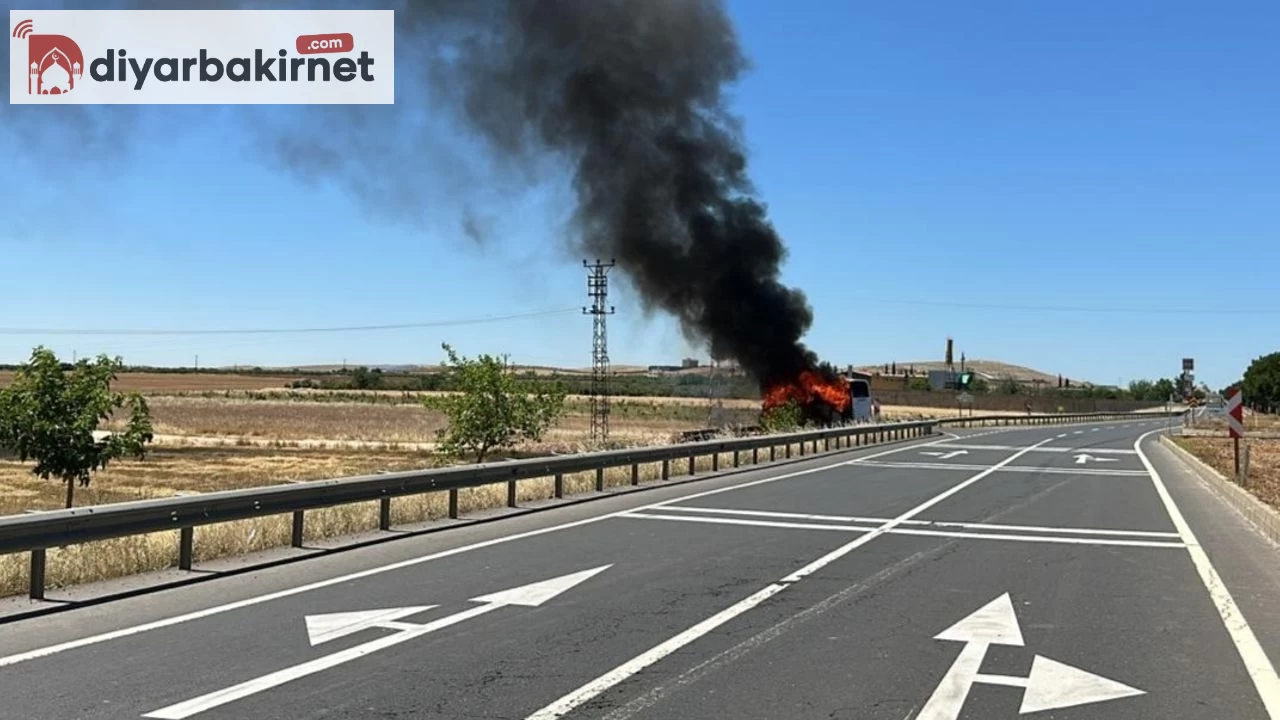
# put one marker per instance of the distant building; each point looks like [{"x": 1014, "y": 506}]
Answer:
[{"x": 689, "y": 363}]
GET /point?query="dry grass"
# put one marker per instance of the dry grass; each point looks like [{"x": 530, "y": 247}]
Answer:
[
  {"x": 633, "y": 420},
  {"x": 191, "y": 382},
  {"x": 1264, "y": 462}
]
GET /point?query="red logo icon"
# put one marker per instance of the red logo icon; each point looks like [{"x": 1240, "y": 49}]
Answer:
[{"x": 55, "y": 62}]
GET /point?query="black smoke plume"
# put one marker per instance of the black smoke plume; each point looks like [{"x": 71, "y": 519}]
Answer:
[
  {"x": 629, "y": 96},
  {"x": 631, "y": 93}
]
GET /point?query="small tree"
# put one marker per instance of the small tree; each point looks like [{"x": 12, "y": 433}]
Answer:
[
  {"x": 781, "y": 418},
  {"x": 1261, "y": 383},
  {"x": 50, "y": 415},
  {"x": 491, "y": 409}
]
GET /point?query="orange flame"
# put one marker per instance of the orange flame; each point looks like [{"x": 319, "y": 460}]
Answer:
[{"x": 810, "y": 386}]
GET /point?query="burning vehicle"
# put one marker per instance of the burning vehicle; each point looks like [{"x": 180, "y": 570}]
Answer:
[{"x": 824, "y": 397}]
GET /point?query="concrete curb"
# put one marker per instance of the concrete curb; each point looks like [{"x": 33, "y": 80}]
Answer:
[{"x": 1262, "y": 516}]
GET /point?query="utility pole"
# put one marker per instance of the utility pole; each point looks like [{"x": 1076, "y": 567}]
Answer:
[{"x": 598, "y": 292}]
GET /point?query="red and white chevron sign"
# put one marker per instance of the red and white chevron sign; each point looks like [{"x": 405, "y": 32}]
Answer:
[{"x": 1235, "y": 413}]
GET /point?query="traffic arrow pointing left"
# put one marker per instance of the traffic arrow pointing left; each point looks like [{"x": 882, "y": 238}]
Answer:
[
  {"x": 326, "y": 627},
  {"x": 331, "y": 626},
  {"x": 1083, "y": 458}
]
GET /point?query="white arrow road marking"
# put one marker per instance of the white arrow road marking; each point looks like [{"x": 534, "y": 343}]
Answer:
[
  {"x": 527, "y": 595},
  {"x": 331, "y": 626},
  {"x": 1050, "y": 685},
  {"x": 1054, "y": 685},
  {"x": 946, "y": 456},
  {"x": 1083, "y": 458},
  {"x": 993, "y": 623}
]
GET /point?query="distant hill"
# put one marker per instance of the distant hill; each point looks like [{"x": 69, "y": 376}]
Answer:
[{"x": 990, "y": 370}]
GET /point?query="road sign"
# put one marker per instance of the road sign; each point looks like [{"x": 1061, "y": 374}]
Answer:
[
  {"x": 1085, "y": 458},
  {"x": 1188, "y": 364},
  {"x": 1049, "y": 686},
  {"x": 1235, "y": 413},
  {"x": 323, "y": 628}
]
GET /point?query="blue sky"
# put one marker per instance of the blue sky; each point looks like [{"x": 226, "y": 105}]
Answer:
[{"x": 1051, "y": 184}]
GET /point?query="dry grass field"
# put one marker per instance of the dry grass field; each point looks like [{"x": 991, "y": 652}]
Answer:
[
  {"x": 1264, "y": 462},
  {"x": 175, "y": 382}
]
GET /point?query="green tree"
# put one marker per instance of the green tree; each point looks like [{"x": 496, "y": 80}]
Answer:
[
  {"x": 362, "y": 378},
  {"x": 1142, "y": 389},
  {"x": 492, "y": 408},
  {"x": 50, "y": 415},
  {"x": 1261, "y": 383},
  {"x": 781, "y": 418},
  {"x": 1163, "y": 389}
]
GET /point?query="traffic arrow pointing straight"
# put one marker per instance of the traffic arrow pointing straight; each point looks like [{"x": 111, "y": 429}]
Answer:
[
  {"x": 1051, "y": 684},
  {"x": 322, "y": 628},
  {"x": 992, "y": 624}
]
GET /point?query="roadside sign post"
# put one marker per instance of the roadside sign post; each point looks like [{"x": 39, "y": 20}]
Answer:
[{"x": 1235, "y": 424}]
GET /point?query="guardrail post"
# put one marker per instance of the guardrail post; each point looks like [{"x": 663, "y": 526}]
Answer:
[
  {"x": 186, "y": 541},
  {"x": 801, "y": 448},
  {"x": 735, "y": 458},
  {"x": 715, "y": 462},
  {"x": 635, "y": 473},
  {"x": 559, "y": 490},
  {"x": 773, "y": 453},
  {"x": 453, "y": 504},
  {"x": 755, "y": 456},
  {"x": 788, "y": 451},
  {"x": 600, "y": 479},
  {"x": 666, "y": 469},
  {"x": 857, "y": 439},
  {"x": 298, "y": 516},
  {"x": 37, "y": 575},
  {"x": 384, "y": 513},
  {"x": 511, "y": 493}
]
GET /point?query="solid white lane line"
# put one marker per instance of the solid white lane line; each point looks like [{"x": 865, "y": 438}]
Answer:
[
  {"x": 750, "y": 523},
  {"x": 934, "y": 523},
  {"x": 1039, "y": 538},
  {"x": 1256, "y": 662},
  {"x": 1010, "y": 469},
  {"x": 1059, "y": 450},
  {"x": 288, "y": 592},
  {"x": 584, "y": 694},
  {"x": 909, "y": 531}
]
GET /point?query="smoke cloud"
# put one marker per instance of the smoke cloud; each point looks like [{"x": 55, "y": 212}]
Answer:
[
  {"x": 631, "y": 94},
  {"x": 626, "y": 98}
]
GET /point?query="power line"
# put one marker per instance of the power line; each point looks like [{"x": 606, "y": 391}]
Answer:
[
  {"x": 284, "y": 331},
  {"x": 1080, "y": 309}
]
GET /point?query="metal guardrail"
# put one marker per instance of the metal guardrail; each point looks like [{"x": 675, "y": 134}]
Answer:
[{"x": 37, "y": 532}]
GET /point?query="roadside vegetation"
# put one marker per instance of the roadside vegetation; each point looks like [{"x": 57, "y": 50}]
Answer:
[{"x": 1208, "y": 440}]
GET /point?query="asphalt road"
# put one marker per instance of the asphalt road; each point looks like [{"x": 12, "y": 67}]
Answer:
[{"x": 1053, "y": 572}]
